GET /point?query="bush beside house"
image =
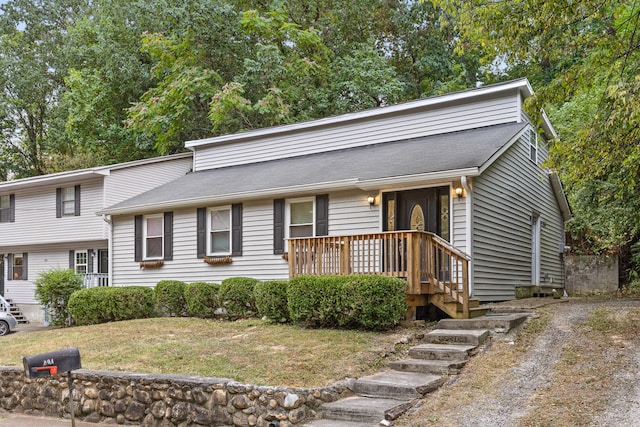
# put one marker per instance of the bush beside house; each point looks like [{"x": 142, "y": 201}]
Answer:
[
  {"x": 54, "y": 289},
  {"x": 355, "y": 301}
]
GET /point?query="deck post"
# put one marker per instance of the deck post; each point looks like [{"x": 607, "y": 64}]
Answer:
[
  {"x": 345, "y": 256},
  {"x": 291, "y": 255},
  {"x": 413, "y": 266},
  {"x": 465, "y": 289}
]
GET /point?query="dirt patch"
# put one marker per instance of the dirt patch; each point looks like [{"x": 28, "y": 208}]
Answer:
[{"x": 575, "y": 365}]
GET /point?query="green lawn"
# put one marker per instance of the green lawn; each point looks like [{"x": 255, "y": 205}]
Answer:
[{"x": 251, "y": 351}]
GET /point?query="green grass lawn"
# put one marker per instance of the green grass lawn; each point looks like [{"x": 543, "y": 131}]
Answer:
[{"x": 251, "y": 351}]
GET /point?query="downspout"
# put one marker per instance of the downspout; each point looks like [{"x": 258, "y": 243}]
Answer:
[
  {"x": 468, "y": 224},
  {"x": 107, "y": 218}
]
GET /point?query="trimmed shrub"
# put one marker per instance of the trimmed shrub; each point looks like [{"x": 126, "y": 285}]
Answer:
[
  {"x": 169, "y": 299},
  {"x": 317, "y": 300},
  {"x": 236, "y": 296},
  {"x": 271, "y": 300},
  {"x": 54, "y": 288},
  {"x": 107, "y": 304},
  {"x": 202, "y": 299},
  {"x": 375, "y": 302}
]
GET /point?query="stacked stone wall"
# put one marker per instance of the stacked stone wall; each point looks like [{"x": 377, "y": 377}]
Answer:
[{"x": 162, "y": 400}]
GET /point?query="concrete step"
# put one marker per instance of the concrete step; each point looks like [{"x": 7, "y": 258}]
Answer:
[
  {"x": 339, "y": 423},
  {"x": 397, "y": 385},
  {"x": 359, "y": 409},
  {"x": 424, "y": 366},
  {"x": 501, "y": 323},
  {"x": 458, "y": 352},
  {"x": 457, "y": 336}
]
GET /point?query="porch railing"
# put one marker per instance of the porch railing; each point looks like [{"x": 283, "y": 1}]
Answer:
[
  {"x": 429, "y": 263},
  {"x": 93, "y": 280}
]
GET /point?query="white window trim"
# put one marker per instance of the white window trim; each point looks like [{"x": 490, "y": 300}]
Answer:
[
  {"x": 287, "y": 215},
  {"x": 209, "y": 230},
  {"x": 145, "y": 236},
  {"x": 76, "y": 264}
]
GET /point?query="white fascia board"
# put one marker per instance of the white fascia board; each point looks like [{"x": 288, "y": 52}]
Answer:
[
  {"x": 522, "y": 85},
  {"x": 561, "y": 197},
  {"x": 547, "y": 126},
  {"x": 234, "y": 197},
  {"x": 80, "y": 174},
  {"x": 504, "y": 148},
  {"x": 55, "y": 178},
  {"x": 423, "y": 178}
]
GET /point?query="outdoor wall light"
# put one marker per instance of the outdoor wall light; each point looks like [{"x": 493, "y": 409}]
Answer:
[
  {"x": 371, "y": 200},
  {"x": 458, "y": 191}
]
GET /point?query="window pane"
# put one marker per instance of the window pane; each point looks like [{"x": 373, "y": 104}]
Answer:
[
  {"x": 301, "y": 231},
  {"x": 220, "y": 242},
  {"x": 68, "y": 194},
  {"x": 5, "y": 215},
  {"x": 154, "y": 247},
  {"x": 17, "y": 267},
  {"x": 302, "y": 213},
  {"x": 4, "y": 202},
  {"x": 154, "y": 226},
  {"x": 220, "y": 219}
]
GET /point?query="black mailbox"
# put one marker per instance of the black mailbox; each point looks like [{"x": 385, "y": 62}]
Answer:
[{"x": 53, "y": 363}]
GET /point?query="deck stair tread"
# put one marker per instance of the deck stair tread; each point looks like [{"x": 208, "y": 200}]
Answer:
[
  {"x": 360, "y": 409},
  {"x": 397, "y": 385},
  {"x": 457, "y": 336}
]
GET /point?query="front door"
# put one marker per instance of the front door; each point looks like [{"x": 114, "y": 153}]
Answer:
[{"x": 426, "y": 209}]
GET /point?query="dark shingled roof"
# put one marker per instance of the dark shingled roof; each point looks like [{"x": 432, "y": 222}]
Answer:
[{"x": 429, "y": 154}]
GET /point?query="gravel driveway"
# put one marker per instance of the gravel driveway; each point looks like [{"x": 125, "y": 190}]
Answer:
[{"x": 581, "y": 367}]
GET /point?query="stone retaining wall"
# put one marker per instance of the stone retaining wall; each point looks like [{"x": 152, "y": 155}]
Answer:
[{"x": 162, "y": 400}]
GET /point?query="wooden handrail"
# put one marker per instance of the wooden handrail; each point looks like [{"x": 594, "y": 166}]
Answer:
[{"x": 417, "y": 256}]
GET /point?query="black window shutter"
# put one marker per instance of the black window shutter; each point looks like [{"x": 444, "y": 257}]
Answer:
[
  {"x": 72, "y": 260},
  {"x": 168, "y": 236},
  {"x": 58, "y": 202},
  {"x": 201, "y": 237},
  {"x": 278, "y": 226},
  {"x": 12, "y": 208},
  {"x": 236, "y": 229},
  {"x": 25, "y": 265},
  {"x": 322, "y": 215},
  {"x": 137, "y": 238},
  {"x": 10, "y": 267},
  {"x": 77, "y": 200},
  {"x": 89, "y": 260}
]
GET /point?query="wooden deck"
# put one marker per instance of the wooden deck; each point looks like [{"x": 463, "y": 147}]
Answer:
[{"x": 436, "y": 272}]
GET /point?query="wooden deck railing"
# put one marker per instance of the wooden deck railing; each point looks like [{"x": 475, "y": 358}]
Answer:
[{"x": 419, "y": 257}]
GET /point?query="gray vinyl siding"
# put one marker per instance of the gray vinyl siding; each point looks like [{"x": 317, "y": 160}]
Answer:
[
  {"x": 505, "y": 197},
  {"x": 486, "y": 111},
  {"x": 42, "y": 259},
  {"x": 124, "y": 183},
  {"x": 36, "y": 222},
  {"x": 349, "y": 213},
  {"x": 459, "y": 223}
]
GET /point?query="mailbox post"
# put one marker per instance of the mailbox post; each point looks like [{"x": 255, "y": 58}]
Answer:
[{"x": 53, "y": 363}]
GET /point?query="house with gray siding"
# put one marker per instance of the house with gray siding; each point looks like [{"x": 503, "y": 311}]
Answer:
[
  {"x": 448, "y": 192},
  {"x": 50, "y": 221}
]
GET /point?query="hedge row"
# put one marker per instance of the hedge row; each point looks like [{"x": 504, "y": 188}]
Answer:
[{"x": 356, "y": 301}]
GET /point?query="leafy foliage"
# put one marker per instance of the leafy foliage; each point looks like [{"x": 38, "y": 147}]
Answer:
[
  {"x": 54, "y": 288},
  {"x": 202, "y": 299},
  {"x": 168, "y": 296},
  {"x": 111, "y": 304},
  {"x": 271, "y": 300},
  {"x": 237, "y": 297}
]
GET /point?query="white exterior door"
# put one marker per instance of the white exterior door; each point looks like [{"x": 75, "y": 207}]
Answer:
[{"x": 536, "y": 225}]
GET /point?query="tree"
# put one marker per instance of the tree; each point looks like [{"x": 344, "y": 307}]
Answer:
[{"x": 583, "y": 57}]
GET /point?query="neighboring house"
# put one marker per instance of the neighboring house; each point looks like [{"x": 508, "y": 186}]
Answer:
[
  {"x": 336, "y": 195},
  {"x": 50, "y": 222}
]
